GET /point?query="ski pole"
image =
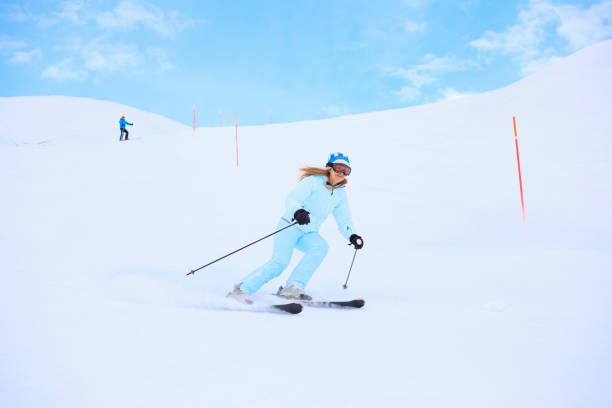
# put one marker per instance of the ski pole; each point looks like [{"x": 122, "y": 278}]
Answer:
[
  {"x": 240, "y": 249},
  {"x": 349, "y": 273}
]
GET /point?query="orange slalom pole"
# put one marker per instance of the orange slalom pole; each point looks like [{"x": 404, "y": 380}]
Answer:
[
  {"x": 518, "y": 160},
  {"x": 236, "y": 140}
]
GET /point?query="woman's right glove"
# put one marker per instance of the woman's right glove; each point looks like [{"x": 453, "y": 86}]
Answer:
[
  {"x": 302, "y": 216},
  {"x": 357, "y": 241}
]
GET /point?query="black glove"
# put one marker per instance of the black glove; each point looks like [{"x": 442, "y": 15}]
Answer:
[
  {"x": 302, "y": 216},
  {"x": 357, "y": 241}
]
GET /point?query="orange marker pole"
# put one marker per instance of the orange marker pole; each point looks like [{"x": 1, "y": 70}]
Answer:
[
  {"x": 518, "y": 160},
  {"x": 236, "y": 140}
]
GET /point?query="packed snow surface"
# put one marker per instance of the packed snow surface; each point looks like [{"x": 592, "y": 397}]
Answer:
[{"x": 466, "y": 306}]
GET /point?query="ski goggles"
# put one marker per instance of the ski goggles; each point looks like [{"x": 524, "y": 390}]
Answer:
[{"x": 340, "y": 168}]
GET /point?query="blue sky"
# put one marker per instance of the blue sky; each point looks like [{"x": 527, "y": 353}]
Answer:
[{"x": 279, "y": 61}]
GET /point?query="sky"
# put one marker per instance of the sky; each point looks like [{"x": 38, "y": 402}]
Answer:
[{"x": 283, "y": 61}]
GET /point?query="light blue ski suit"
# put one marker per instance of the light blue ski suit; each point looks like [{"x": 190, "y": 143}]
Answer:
[{"x": 315, "y": 196}]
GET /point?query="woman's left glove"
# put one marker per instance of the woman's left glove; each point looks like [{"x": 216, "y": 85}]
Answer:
[{"x": 357, "y": 241}]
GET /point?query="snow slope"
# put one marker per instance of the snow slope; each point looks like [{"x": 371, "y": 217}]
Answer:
[
  {"x": 465, "y": 306},
  {"x": 66, "y": 120}
]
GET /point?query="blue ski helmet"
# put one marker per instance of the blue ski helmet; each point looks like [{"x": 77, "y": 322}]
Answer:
[{"x": 338, "y": 158}]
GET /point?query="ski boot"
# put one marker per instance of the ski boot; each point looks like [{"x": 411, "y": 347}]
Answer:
[
  {"x": 293, "y": 292},
  {"x": 240, "y": 295}
]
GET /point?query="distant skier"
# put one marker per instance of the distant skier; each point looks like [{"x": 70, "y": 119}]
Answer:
[
  {"x": 319, "y": 193},
  {"x": 122, "y": 123}
]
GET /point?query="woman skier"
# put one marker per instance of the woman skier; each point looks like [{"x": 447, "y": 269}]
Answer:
[{"x": 319, "y": 193}]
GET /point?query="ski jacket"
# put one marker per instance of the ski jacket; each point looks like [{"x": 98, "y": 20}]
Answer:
[
  {"x": 123, "y": 122},
  {"x": 313, "y": 195}
]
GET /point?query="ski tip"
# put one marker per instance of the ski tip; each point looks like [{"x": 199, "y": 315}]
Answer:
[
  {"x": 358, "y": 303},
  {"x": 293, "y": 308}
]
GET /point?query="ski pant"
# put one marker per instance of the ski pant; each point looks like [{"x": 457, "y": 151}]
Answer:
[
  {"x": 311, "y": 244},
  {"x": 122, "y": 132}
]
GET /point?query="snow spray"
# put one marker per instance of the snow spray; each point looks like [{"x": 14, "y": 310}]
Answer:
[{"x": 518, "y": 160}]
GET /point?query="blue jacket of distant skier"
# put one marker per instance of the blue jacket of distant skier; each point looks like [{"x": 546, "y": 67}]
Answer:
[
  {"x": 316, "y": 196},
  {"x": 123, "y": 122}
]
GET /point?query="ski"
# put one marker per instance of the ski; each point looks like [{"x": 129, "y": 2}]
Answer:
[
  {"x": 355, "y": 303},
  {"x": 250, "y": 305},
  {"x": 293, "y": 308},
  {"x": 307, "y": 301}
]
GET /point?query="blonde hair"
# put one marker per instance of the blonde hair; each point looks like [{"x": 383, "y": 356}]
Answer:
[{"x": 319, "y": 171}]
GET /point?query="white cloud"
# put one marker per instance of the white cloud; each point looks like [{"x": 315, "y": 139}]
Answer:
[
  {"x": 427, "y": 72},
  {"x": 450, "y": 94},
  {"x": 523, "y": 38},
  {"x": 70, "y": 11},
  {"x": 64, "y": 71},
  {"x": 98, "y": 57},
  {"x": 466, "y": 5},
  {"x": 415, "y": 76},
  {"x": 408, "y": 93},
  {"x": 159, "y": 58},
  {"x": 129, "y": 14},
  {"x": 416, "y": 3},
  {"x": 82, "y": 59},
  {"x": 14, "y": 48},
  {"x": 16, "y": 13},
  {"x": 430, "y": 67},
  {"x": 444, "y": 64},
  {"x": 414, "y": 27},
  {"x": 8, "y": 45},
  {"x": 526, "y": 42},
  {"x": 23, "y": 57},
  {"x": 585, "y": 27}
]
